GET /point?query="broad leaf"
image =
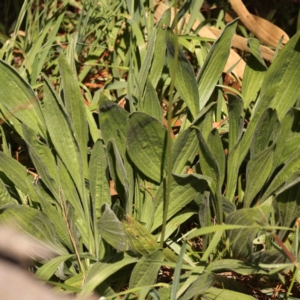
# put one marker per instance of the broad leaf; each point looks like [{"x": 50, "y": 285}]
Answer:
[
  {"x": 111, "y": 229},
  {"x": 184, "y": 188},
  {"x": 258, "y": 171},
  {"x": 146, "y": 145},
  {"x": 19, "y": 99},
  {"x": 184, "y": 151},
  {"x": 139, "y": 238},
  {"x": 99, "y": 272},
  {"x": 287, "y": 205},
  {"x": 241, "y": 239},
  {"x": 145, "y": 271},
  {"x": 31, "y": 220}
]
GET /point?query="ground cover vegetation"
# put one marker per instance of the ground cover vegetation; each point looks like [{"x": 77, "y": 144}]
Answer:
[{"x": 159, "y": 161}]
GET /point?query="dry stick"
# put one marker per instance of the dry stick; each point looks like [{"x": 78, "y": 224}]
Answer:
[{"x": 63, "y": 205}]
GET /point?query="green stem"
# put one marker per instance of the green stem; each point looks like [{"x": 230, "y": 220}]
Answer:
[{"x": 169, "y": 138}]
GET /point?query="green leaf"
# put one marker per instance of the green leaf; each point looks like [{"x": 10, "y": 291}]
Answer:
[
  {"x": 19, "y": 99},
  {"x": 139, "y": 238},
  {"x": 99, "y": 177},
  {"x": 159, "y": 54},
  {"x": 291, "y": 167},
  {"x": 113, "y": 124},
  {"x": 31, "y": 220},
  {"x": 214, "y": 64},
  {"x": 117, "y": 170},
  {"x": 53, "y": 210},
  {"x": 48, "y": 269},
  {"x": 184, "y": 188},
  {"x": 258, "y": 171},
  {"x": 99, "y": 272},
  {"x": 254, "y": 72},
  {"x": 198, "y": 287},
  {"x": 17, "y": 173},
  {"x": 5, "y": 197},
  {"x": 208, "y": 163},
  {"x": 43, "y": 160},
  {"x": 74, "y": 105},
  {"x": 282, "y": 78},
  {"x": 146, "y": 65},
  {"x": 287, "y": 205},
  {"x": 146, "y": 145},
  {"x": 150, "y": 103},
  {"x": 241, "y": 239},
  {"x": 215, "y": 145},
  {"x": 111, "y": 229},
  {"x": 266, "y": 131},
  {"x": 62, "y": 137},
  {"x": 175, "y": 223},
  {"x": 185, "y": 81},
  {"x": 184, "y": 151},
  {"x": 145, "y": 271},
  {"x": 236, "y": 120},
  {"x": 221, "y": 294},
  {"x": 235, "y": 265}
]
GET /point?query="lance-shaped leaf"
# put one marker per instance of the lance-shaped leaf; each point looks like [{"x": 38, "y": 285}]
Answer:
[
  {"x": 258, "y": 171},
  {"x": 160, "y": 48},
  {"x": 208, "y": 163},
  {"x": 214, "y": 64},
  {"x": 139, "y": 238},
  {"x": 5, "y": 197},
  {"x": 31, "y": 220},
  {"x": 150, "y": 104},
  {"x": 241, "y": 239},
  {"x": 18, "y": 175},
  {"x": 254, "y": 72},
  {"x": 291, "y": 167},
  {"x": 184, "y": 151},
  {"x": 184, "y": 188},
  {"x": 146, "y": 65},
  {"x": 283, "y": 76},
  {"x": 111, "y": 229},
  {"x": 53, "y": 210},
  {"x": 99, "y": 272},
  {"x": 146, "y": 145},
  {"x": 287, "y": 205},
  {"x": 266, "y": 131},
  {"x": 145, "y": 271},
  {"x": 74, "y": 105},
  {"x": 222, "y": 294},
  {"x": 46, "y": 271},
  {"x": 43, "y": 159},
  {"x": 182, "y": 71},
  {"x": 62, "y": 137},
  {"x": 117, "y": 170},
  {"x": 236, "y": 120},
  {"x": 99, "y": 177},
  {"x": 19, "y": 99}
]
